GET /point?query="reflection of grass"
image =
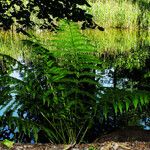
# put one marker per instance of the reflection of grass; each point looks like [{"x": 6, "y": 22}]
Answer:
[
  {"x": 108, "y": 42},
  {"x": 10, "y": 44},
  {"x": 115, "y": 14},
  {"x": 127, "y": 47},
  {"x": 113, "y": 41}
]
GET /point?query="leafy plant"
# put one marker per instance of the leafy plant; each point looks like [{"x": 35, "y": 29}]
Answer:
[
  {"x": 42, "y": 14},
  {"x": 92, "y": 148},
  {"x": 56, "y": 96},
  {"x": 7, "y": 143}
]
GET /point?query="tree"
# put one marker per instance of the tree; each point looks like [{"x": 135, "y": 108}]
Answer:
[{"x": 43, "y": 13}]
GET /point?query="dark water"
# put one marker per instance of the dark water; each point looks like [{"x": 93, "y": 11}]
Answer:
[{"x": 126, "y": 60}]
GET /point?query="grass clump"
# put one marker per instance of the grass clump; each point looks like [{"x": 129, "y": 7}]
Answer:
[{"x": 116, "y": 14}]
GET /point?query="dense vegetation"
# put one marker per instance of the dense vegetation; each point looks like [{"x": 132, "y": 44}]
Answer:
[
  {"x": 59, "y": 97},
  {"x": 43, "y": 14},
  {"x": 56, "y": 94},
  {"x": 129, "y": 14},
  {"x": 122, "y": 14}
]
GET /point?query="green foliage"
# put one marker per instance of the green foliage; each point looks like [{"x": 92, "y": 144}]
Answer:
[
  {"x": 11, "y": 44},
  {"x": 7, "y": 143},
  {"x": 52, "y": 91},
  {"x": 59, "y": 97},
  {"x": 124, "y": 101},
  {"x": 42, "y": 14},
  {"x": 92, "y": 148},
  {"x": 123, "y": 49},
  {"x": 121, "y": 14}
]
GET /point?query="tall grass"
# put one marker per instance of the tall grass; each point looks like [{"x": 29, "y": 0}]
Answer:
[
  {"x": 117, "y": 14},
  {"x": 112, "y": 41},
  {"x": 117, "y": 41},
  {"x": 10, "y": 44},
  {"x": 126, "y": 47}
]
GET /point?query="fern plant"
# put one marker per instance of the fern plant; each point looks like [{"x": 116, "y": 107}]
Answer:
[{"x": 56, "y": 96}]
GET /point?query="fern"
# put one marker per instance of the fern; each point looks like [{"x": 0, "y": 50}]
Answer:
[{"x": 52, "y": 92}]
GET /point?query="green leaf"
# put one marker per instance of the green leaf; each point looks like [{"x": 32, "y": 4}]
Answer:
[
  {"x": 120, "y": 106},
  {"x": 141, "y": 100},
  {"x": 115, "y": 107},
  {"x": 135, "y": 102},
  {"x": 105, "y": 111},
  {"x": 7, "y": 143},
  {"x": 8, "y": 2},
  {"x": 127, "y": 103},
  {"x": 146, "y": 100}
]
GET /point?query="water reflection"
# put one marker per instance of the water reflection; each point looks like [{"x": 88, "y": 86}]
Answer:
[{"x": 106, "y": 77}]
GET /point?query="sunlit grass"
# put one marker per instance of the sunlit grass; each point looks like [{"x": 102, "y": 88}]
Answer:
[
  {"x": 110, "y": 41},
  {"x": 10, "y": 44},
  {"x": 116, "y": 41},
  {"x": 117, "y": 14}
]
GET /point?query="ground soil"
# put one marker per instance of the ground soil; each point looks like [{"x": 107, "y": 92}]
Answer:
[
  {"x": 108, "y": 145},
  {"x": 130, "y": 139}
]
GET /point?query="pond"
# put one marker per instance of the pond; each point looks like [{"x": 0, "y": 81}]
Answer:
[
  {"x": 122, "y": 49},
  {"x": 115, "y": 75}
]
